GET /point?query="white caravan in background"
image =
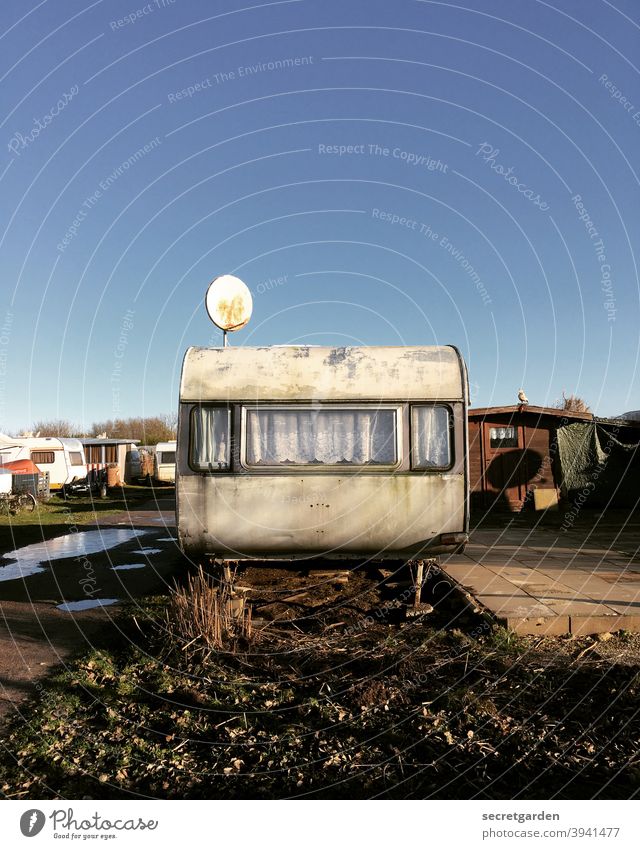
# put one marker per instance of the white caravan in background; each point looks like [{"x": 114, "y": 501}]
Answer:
[
  {"x": 63, "y": 458},
  {"x": 164, "y": 462}
]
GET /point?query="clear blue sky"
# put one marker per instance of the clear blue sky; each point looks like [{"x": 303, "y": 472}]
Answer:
[{"x": 147, "y": 148}]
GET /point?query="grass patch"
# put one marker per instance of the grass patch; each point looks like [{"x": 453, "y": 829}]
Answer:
[{"x": 394, "y": 711}]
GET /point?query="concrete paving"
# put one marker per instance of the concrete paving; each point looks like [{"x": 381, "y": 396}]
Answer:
[{"x": 550, "y": 579}]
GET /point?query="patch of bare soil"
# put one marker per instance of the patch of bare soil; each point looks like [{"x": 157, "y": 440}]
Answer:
[{"x": 336, "y": 695}]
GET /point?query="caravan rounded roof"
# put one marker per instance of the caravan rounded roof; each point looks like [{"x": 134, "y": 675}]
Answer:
[{"x": 305, "y": 373}]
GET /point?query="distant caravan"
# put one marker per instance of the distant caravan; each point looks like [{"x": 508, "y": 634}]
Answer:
[
  {"x": 62, "y": 458},
  {"x": 164, "y": 462},
  {"x": 293, "y": 452}
]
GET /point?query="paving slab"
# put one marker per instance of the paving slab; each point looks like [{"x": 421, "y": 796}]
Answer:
[{"x": 535, "y": 582}]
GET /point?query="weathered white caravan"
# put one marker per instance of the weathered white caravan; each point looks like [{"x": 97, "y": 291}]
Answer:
[
  {"x": 62, "y": 458},
  {"x": 296, "y": 452},
  {"x": 164, "y": 462}
]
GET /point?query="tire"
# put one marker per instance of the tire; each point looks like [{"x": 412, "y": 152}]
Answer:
[{"x": 27, "y": 502}]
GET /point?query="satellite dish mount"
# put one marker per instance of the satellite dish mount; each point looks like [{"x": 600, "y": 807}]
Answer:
[{"x": 229, "y": 304}]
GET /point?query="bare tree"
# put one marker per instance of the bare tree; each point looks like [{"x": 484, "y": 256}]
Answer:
[
  {"x": 149, "y": 430},
  {"x": 56, "y": 427},
  {"x": 574, "y": 404},
  {"x": 171, "y": 422}
]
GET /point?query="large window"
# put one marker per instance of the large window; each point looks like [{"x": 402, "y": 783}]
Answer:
[
  {"x": 210, "y": 439},
  {"x": 431, "y": 437},
  {"x": 44, "y": 457},
  {"x": 328, "y": 437}
]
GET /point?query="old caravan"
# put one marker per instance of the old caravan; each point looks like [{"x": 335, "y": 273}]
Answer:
[
  {"x": 62, "y": 458},
  {"x": 297, "y": 452},
  {"x": 164, "y": 462}
]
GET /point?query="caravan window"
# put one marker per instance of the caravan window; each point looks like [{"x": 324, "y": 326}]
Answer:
[
  {"x": 431, "y": 437},
  {"x": 210, "y": 440},
  {"x": 76, "y": 458},
  {"x": 44, "y": 457},
  {"x": 330, "y": 436},
  {"x": 166, "y": 457}
]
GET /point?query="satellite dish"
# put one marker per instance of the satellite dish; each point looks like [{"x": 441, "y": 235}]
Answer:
[{"x": 229, "y": 303}]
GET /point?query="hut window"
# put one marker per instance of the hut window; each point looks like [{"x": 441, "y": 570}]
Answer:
[
  {"x": 76, "y": 458},
  {"x": 210, "y": 440},
  {"x": 431, "y": 435},
  {"x": 321, "y": 437},
  {"x": 44, "y": 457},
  {"x": 503, "y": 437}
]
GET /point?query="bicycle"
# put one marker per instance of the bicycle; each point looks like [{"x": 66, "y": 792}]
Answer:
[{"x": 15, "y": 502}]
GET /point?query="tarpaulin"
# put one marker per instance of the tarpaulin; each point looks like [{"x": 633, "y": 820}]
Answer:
[{"x": 601, "y": 462}]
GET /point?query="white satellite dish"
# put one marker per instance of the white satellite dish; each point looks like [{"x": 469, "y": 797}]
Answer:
[{"x": 229, "y": 303}]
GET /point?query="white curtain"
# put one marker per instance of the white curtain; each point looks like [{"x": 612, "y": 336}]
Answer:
[
  {"x": 354, "y": 437},
  {"x": 431, "y": 439},
  {"x": 210, "y": 438}
]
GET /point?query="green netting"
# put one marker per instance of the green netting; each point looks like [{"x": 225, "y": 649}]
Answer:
[{"x": 601, "y": 462}]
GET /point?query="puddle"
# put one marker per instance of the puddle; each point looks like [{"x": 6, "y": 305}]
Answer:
[
  {"x": 148, "y": 551},
  {"x": 87, "y": 604},
  {"x": 13, "y": 571},
  {"x": 129, "y": 566},
  {"x": 31, "y": 557},
  {"x": 73, "y": 545}
]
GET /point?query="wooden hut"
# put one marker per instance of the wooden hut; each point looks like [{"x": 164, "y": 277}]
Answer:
[{"x": 513, "y": 455}]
